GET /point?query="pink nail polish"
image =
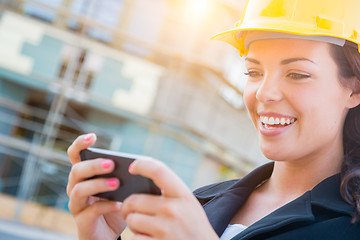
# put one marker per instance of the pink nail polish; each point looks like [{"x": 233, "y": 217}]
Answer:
[
  {"x": 130, "y": 166},
  {"x": 111, "y": 182},
  {"x": 106, "y": 164},
  {"x": 87, "y": 137}
]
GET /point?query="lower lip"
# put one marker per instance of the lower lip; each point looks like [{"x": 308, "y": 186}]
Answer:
[{"x": 273, "y": 131}]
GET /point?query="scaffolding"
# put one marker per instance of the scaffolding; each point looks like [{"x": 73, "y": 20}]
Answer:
[{"x": 40, "y": 135}]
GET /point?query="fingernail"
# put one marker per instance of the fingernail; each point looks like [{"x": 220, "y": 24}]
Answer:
[
  {"x": 131, "y": 166},
  {"x": 118, "y": 205},
  {"x": 87, "y": 137},
  {"x": 106, "y": 164},
  {"x": 111, "y": 182}
]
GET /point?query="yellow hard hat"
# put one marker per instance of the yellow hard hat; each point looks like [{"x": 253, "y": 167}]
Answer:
[{"x": 333, "y": 18}]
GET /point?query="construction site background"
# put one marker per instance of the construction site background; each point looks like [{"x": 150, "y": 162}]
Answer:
[{"x": 141, "y": 74}]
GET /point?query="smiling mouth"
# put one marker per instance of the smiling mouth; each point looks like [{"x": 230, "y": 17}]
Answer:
[{"x": 276, "y": 122}]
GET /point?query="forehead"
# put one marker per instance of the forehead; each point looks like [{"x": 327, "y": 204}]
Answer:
[{"x": 282, "y": 48}]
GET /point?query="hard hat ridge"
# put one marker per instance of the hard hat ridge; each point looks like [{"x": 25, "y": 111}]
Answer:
[
  {"x": 252, "y": 36},
  {"x": 332, "y": 18}
]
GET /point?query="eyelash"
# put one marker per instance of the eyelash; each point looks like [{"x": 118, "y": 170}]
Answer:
[
  {"x": 253, "y": 74},
  {"x": 295, "y": 76}
]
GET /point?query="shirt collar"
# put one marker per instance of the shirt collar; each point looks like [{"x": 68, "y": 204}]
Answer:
[
  {"x": 325, "y": 194},
  {"x": 222, "y": 200},
  {"x": 222, "y": 204}
]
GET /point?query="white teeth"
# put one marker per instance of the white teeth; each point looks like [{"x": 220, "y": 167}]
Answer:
[
  {"x": 266, "y": 120},
  {"x": 271, "y": 121},
  {"x": 282, "y": 121},
  {"x": 276, "y": 121}
]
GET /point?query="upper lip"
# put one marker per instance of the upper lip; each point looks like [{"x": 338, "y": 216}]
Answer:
[{"x": 275, "y": 115}]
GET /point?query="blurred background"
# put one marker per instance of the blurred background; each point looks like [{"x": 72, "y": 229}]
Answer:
[{"x": 141, "y": 74}]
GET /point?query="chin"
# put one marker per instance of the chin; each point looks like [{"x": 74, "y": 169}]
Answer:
[{"x": 274, "y": 154}]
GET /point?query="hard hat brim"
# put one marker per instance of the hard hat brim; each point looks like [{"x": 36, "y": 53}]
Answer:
[{"x": 236, "y": 36}]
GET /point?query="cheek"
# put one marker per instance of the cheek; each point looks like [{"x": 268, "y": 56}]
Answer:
[
  {"x": 318, "y": 113},
  {"x": 249, "y": 97},
  {"x": 249, "y": 94}
]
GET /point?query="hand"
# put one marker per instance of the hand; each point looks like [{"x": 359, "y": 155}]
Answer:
[
  {"x": 175, "y": 215},
  {"x": 95, "y": 218}
]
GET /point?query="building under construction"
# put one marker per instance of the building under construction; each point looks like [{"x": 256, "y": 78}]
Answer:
[{"x": 141, "y": 74}]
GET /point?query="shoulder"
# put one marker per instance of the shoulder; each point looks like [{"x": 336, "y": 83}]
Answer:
[
  {"x": 210, "y": 191},
  {"x": 336, "y": 227},
  {"x": 240, "y": 186}
]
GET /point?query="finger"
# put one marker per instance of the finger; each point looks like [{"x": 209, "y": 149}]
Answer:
[
  {"x": 86, "y": 169},
  {"x": 163, "y": 177},
  {"x": 147, "y": 227},
  {"x": 80, "y": 143},
  {"x": 141, "y": 237},
  {"x": 146, "y": 204},
  {"x": 101, "y": 208},
  {"x": 82, "y": 191},
  {"x": 89, "y": 218}
]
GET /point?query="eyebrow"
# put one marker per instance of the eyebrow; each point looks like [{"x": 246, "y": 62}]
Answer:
[
  {"x": 290, "y": 60},
  {"x": 252, "y": 60},
  {"x": 283, "y": 62}
]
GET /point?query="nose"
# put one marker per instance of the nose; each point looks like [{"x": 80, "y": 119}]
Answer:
[{"x": 269, "y": 90}]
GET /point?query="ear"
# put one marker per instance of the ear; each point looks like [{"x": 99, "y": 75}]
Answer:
[{"x": 354, "y": 99}]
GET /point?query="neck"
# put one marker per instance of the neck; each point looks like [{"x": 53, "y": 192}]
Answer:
[{"x": 293, "y": 178}]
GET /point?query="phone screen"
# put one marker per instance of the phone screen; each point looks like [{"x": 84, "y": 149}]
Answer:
[{"x": 129, "y": 183}]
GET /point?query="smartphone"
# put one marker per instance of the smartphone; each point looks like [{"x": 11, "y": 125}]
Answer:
[{"x": 129, "y": 183}]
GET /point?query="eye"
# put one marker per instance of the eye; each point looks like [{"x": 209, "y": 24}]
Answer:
[
  {"x": 298, "y": 76},
  {"x": 253, "y": 74}
]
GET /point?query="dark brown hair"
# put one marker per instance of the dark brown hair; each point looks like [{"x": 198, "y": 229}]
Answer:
[{"x": 347, "y": 59}]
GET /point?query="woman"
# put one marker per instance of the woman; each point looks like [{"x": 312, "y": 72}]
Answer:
[{"x": 303, "y": 97}]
